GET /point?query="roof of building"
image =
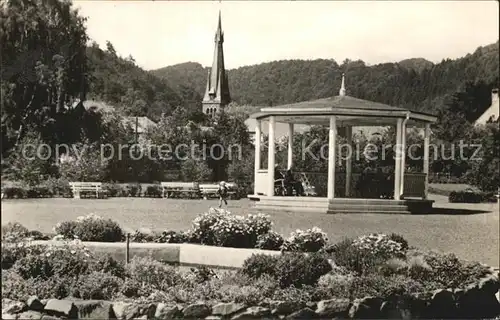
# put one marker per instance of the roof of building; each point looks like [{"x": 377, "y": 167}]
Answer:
[
  {"x": 493, "y": 112},
  {"x": 95, "y": 105}
]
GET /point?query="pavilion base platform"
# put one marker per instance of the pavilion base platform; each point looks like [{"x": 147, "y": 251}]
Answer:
[{"x": 341, "y": 205}]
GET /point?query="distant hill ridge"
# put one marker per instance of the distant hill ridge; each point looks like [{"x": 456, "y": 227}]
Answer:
[{"x": 414, "y": 83}]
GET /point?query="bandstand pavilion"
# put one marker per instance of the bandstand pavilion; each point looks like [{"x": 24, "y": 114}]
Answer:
[{"x": 343, "y": 111}]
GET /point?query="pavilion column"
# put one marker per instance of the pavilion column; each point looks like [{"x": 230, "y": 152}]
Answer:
[
  {"x": 270, "y": 157},
  {"x": 290, "y": 145},
  {"x": 397, "y": 160},
  {"x": 332, "y": 144},
  {"x": 403, "y": 160},
  {"x": 348, "y": 165},
  {"x": 257, "y": 144},
  {"x": 427, "y": 138}
]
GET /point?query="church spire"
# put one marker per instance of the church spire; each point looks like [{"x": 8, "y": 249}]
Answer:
[
  {"x": 217, "y": 91},
  {"x": 342, "y": 86}
]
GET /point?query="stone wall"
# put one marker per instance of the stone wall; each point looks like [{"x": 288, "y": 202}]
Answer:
[{"x": 474, "y": 302}]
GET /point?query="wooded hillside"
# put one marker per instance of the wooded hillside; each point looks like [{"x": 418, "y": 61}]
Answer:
[{"x": 414, "y": 83}]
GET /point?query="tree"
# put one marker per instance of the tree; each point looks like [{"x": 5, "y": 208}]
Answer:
[
  {"x": 110, "y": 48},
  {"x": 84, "y": 163},
  {"x": 485, "y": 167},
  {"x": 195, "y": 170},
  {"x": 241, "y": 171},
  {"x": 31, "y": 161},
  {"x": 45, "y": 42}
]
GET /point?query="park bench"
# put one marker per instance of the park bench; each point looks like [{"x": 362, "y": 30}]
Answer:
[
  {"x": 84, "y": 189},
  {"x": 209, "y": 190},
  {"x": 180, "y": 190}
]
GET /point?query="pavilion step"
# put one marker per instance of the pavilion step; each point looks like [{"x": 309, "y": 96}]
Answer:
[
  {"x": 367, "y": 207},
  {"x": 272, "y": 205},
  {"x": 296, "y": 204},
  {"x": 372, "y": 202},
  {"x": 268, "y": 208},
  {"x": 351, "y": 211}
]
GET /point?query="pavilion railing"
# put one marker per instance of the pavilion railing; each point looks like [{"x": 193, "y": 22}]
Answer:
[
  {"x": 363, "y": 185},
  {"x": 369, "y": 185},
  {"x": 414, "y": 185}
]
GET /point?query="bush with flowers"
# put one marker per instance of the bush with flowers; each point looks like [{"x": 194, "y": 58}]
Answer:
[
  {"x": 220, "y": 227},
  {"x": 269, "y": 241},
  {"x": 380, "y": 245},
  {"x": 310, "y": 240},
  {"x": 173, "y": 237},
  {"x": 90, "y": 228}
]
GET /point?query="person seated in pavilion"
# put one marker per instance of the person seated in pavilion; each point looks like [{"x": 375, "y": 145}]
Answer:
[
  {"x": 292, "y": 184},
  {"x": 278, "y": 178}
]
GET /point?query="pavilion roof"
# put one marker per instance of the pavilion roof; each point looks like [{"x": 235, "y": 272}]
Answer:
[{"x": 342, "y": 105}]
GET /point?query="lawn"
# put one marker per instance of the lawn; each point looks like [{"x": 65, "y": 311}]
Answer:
[{"x": 470, "y": 236}]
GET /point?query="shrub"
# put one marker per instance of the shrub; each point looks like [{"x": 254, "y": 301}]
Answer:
[
  {"x": 57, "y": 187},
  {"x": 399, "y": 239},
  {"x": 39, "y": 192},
  {"x": 70, "y": 260},
  {"x": 465, "y": 197},
  {"x": 298, "y": 269},
  {"x": 394, "y": 266},
  {"x": 172, "y": 237},
  {"x": 353, "y": 258},
  {"x": 153, "y": 192},
  {"x": 269, "y": 241},
  {"x": 259, "y": 223},
  {"x": 14, "y": 230},
  {"x": 148, "y": 271},
  {"x": 37, "y": 235},
  {"x": 450, "y": 272},
  {"x": 114, "y": 190},
  {"x": 383, "y": 287},
  {"x": 19, "y": 289},
  {"x": 134, "y": 190},
  {"x": 203, "y": 225},
  {"x": 33, "y": 266},
  {"x": 107, "y": 264},
  {"x": 11, "y": 252},
  {"x": 97, "y": 286},
  {"x": 15, "y": 193},
  {"x": 232, "y": 231},
  {"x": 311, "y": 240},
  {"x": 90, "y": 228},
  {"x": 131, "y": 288},
  {"x": 202, "y": 274},
  {"x": 142, "y": 236},
  {"x": 220, "y": 227},
  {"x": 418, "y": 268},
  {"x": 259, "y": 264},
  {"x": 380, "y": 245}
]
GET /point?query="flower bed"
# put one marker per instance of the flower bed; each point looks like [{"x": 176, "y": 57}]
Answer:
[
  {"x": 370, "y": 276},
  {"x": 99, "y": 287}
]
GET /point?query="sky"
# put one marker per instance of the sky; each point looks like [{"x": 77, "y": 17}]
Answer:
[{"x": 163, "y": 33}]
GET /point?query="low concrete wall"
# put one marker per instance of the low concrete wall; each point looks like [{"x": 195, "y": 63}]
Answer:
[{"x": 182, "y": 254}]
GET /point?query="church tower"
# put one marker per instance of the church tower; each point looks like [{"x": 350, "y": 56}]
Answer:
[{"x": 217, "y": 92}]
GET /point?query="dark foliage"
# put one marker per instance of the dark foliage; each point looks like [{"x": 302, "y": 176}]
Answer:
[
  {"x": 465, "y": 197},
  {"x": 260, "y": 264},
  {"x": 298, "y": 270}
]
